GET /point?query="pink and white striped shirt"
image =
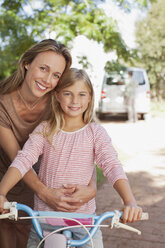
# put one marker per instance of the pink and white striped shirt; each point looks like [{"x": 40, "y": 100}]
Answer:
[{"x": 70, "y": 160}]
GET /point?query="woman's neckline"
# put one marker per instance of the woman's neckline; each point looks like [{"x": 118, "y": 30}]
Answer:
[{"x": 19, "y": 117}]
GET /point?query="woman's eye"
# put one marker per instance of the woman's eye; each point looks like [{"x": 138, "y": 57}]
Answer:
[
  {"x": 42, "y": 68},
  {"x": 82, "y": 95}
]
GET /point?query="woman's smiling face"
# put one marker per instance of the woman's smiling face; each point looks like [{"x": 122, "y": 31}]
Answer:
[{"x": 44, "y": 72}]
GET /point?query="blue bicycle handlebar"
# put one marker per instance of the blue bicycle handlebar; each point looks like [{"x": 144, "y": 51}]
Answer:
[
  {"x": 68, "y": 217},
  {"x": 93, "y": 230},
  {"x": 31, "y": 213},
  {"x": 97, "y": 221}
]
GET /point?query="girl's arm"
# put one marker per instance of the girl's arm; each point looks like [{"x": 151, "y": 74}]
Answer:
[
  {"x": 131, "y": 212},
  {"x": 55, "y": 198},
  {"x": 107, "y": 159}
]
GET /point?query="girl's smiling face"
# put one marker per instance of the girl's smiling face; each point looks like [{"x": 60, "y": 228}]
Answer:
[
  {"x": 44, "y": 73},
  {"x": 74, "y": 99}
]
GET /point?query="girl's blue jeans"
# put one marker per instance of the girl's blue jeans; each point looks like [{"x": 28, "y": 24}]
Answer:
[{"x": 78, "y": 233}]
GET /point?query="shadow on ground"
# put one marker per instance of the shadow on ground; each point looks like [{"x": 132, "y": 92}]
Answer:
[{"x": 151, "y": 196}]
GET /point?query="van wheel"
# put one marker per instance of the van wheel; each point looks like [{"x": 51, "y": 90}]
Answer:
[
  {"x": 141, "y": 116},
  {"x": 100, "y": 116},
  {"x": 145, "y": 116}
]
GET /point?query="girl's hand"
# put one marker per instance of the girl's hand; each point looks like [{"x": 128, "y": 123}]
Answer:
[
  {"x": 131, "y": 213},
  {"x": 2, "y": 201}
]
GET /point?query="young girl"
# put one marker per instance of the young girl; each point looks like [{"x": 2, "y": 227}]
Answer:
[{"x": 70, "y": 144}]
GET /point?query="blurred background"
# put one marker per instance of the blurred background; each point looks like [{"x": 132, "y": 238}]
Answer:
[
  {"x": 102, "y": 35},
  {"x": 106, "y": 37}
]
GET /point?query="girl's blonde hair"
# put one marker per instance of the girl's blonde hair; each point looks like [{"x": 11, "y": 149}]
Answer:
[
  {"x": 16, "y": 79},
  {"x": 56, "y": 121}
]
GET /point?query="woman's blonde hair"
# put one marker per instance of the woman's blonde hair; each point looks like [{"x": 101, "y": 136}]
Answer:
[
  {"x": 56, "y": 121},
  {"x": 15, "y": 80}
]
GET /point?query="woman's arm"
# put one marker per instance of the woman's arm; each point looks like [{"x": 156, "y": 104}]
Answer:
[
  {"x": 66, "y": 199},
  {"x": 9, "y": 180},
  {"x": 131, "y": 212},
  {"x": 55, "y": 198},
  {"x": 8, "y": 142},
  {"x": 82, "y": 193},
  {"x": 11, "y": 177}
]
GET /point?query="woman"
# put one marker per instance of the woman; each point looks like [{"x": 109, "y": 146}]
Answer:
[{"x": 25, "y": 101}]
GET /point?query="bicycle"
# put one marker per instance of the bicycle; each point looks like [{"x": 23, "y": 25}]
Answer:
[{"x": 64, "y": 240}]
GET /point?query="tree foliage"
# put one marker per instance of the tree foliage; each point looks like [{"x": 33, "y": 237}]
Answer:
[
  {"x": 24, "y": 22},
  {"x": 113, "y": 66},
  {"x": 19, "y": 28},
  {"x": 128, "y": 4},
  {"x": 150, "y": 36}
]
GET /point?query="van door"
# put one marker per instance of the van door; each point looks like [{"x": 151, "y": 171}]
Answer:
[
  {"x": 113, "y": 101},
  {"x": 112, "y": 95},
  {"x": 143, "y": 91}
]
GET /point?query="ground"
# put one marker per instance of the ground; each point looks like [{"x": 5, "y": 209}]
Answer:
[{"x": 141, "y": 148}]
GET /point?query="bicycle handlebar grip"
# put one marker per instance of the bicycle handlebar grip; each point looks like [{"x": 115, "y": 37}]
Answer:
[{"x": 145, "y": 216}]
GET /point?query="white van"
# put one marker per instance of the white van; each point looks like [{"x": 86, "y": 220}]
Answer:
[{"x": 112, "y": 100}]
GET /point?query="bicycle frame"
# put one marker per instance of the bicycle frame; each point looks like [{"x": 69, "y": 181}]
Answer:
[{"x": 91, "y": 220}]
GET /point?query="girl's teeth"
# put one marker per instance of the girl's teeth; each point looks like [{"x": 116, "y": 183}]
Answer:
[{"x": 74, "y": 108}]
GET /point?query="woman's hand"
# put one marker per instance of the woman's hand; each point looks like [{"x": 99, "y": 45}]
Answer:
[
  {"x": 81, "y": 194},
  {"x": 60, "y": 199},
  {"x": 2, "y": 201},
  {"x": 131, "y": 213},
  {"x": 69, "y": 198}
]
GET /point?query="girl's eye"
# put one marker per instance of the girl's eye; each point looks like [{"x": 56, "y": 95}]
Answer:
[
  {"x": 67, "y": 94},
  {"x": 82, "y": 94},
  {"x": 56, "y": 76}
]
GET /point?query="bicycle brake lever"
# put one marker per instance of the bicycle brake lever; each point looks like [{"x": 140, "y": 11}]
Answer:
[
  {"x": 129, "y": 228},
  {"x": 5, "y": 216},
  {"x": 115, "y": 218},
  {"x": 117, "y": 224},
  {"x": 13, "y": 214}
]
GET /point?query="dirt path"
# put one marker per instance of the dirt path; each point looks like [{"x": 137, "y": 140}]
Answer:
[{"x": 143, "y": 146}]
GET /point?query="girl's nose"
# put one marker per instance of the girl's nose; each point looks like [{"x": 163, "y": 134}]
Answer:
[{"x": 75, "y": 99}]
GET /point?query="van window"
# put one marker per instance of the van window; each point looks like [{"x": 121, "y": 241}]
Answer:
[
  {"x": 118, "y": 79},
  {"x": 114, "y": 80},
  {"x": 139, "y": 77}
]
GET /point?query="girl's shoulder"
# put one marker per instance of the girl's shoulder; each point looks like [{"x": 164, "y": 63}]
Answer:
[
  {"x": 98, "y": 133},
  {"x": 40, "y": 128},
  {"x": 96, "y": 126},
  {"x": 97, "y": 129}
]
